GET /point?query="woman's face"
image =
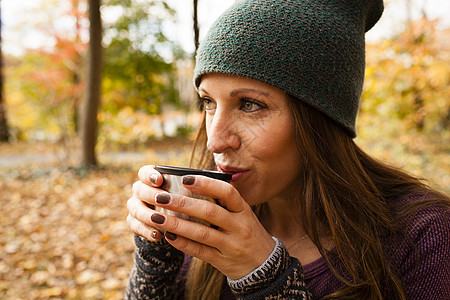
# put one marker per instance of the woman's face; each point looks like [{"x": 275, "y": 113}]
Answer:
[{"x": 250, "y": 131}]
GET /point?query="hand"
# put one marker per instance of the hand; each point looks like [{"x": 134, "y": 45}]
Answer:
[
  {"x": 237, "y": 247},
  {"x": 141, "y": 204}
]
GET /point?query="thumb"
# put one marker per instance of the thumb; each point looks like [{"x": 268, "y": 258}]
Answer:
[{"x": 226, "y": 194}]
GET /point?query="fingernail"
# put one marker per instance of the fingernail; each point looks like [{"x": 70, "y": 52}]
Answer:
[
  {"x": 188, "y": 180},
  {"x": 154, "y": 234},
  {"x": 170, "y": 236},
  {"x": 158, "y": 219},
  {"x": 153, "y": 178},
  {"x": 162, "y": 198}
]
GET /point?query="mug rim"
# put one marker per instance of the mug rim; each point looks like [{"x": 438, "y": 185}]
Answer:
[{"x": 181, "y": 171}]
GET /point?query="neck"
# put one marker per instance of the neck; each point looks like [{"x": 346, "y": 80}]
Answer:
[{"x": 283, "y": 223}]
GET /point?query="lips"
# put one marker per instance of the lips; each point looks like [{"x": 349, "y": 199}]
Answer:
[{"x": 237, "y": 173}]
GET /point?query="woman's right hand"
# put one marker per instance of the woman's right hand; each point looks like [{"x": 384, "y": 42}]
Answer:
[{"x": 140, "y": 205}]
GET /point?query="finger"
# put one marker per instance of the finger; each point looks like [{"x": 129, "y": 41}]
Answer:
[
  {"x": 194, "y": 231},
  {"x": 138, "y": 210},
  {"x": 149, "y": 176},
  {"x": 139, "y": 228},
  {"x": 197, "y": 208},
  {"x": 193, "y": 248},
  {"x": 144, "y": 192},
  {"x": 228, "y": 196}
]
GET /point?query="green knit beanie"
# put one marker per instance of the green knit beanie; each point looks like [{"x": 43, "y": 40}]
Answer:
[{"x": 311, "y": 49}]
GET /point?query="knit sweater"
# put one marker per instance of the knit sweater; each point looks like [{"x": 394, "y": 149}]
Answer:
[{"x": 421, "y": 259}]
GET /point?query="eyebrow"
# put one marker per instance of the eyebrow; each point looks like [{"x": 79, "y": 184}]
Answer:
[
  {"x": 243, "y": 90},
  {"x": 202, "y": 90},
  {"x": 246, "y": 90}
]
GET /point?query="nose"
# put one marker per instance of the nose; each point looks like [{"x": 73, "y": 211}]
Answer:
[{"x": 223, "y": 132}]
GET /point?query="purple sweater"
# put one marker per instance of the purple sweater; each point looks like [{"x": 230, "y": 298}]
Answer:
[{"x": 421, "y": 259}]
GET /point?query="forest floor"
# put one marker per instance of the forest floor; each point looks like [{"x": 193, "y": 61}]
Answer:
[{"x": 63, "y": 229}]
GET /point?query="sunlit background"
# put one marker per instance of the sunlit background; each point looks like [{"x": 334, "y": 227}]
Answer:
[
  {"x": 20, "y": 18},
  {"x": 63, "y": 232}
]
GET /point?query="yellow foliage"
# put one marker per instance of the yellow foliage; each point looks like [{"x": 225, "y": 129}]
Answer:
[
  {"x": 408, "y": 78},
  {"x": 405, "y": 109}
]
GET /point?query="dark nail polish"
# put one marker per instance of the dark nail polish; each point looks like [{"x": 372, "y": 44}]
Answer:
[
  {"x": 162, "y": 198},
  {"x": 153, "y": 178},
  {"x": 170, "y": 236},
  {"x": 188, "y": 180},
  {"x": 158, "y": 219}
]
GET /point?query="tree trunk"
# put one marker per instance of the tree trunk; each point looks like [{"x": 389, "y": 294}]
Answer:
[
  {"x": 4, "y": 130},
  {"x": 196, "y": 28},
  {"x": 89, "y": 121},
  {"x": 76, "y": 71}
]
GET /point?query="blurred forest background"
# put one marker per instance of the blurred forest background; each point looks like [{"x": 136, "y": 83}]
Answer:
[{"x": 78, "y": 118}]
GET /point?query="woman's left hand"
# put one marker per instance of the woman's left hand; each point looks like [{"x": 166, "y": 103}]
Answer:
[{"x": 237, "y": 247}]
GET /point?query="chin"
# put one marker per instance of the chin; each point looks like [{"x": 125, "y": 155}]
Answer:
[{"x": 250, "y": 196}]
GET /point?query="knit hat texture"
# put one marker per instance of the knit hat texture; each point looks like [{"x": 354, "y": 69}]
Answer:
[{"x": 311, "y": 49}]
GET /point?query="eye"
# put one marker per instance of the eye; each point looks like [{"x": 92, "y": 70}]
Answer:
[
  {"x": 208, "y": 104},
  {"x": 250, "y": 105}
]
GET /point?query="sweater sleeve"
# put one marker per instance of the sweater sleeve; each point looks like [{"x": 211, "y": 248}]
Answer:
[
  {"x": 279, "y": 277},
  {"x": 155, "y": 270},
  {"x": 424, "y": 258}
]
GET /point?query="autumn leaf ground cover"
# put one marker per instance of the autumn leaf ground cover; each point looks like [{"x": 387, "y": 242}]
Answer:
[{"x": 63, "y": 229}]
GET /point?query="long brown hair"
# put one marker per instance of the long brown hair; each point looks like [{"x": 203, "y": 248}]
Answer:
[{"x": 346, "y": 194}]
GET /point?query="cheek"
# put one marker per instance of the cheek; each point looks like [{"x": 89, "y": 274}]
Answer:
[
  {"x": 283, "y": 164},
  {"x": 277, "y": 143},
  {"x": 207, "y": 124},
  {"x": 278, "y": 167}
]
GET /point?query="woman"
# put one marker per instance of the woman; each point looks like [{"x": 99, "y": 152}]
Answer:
[{"x": 307, "y": 214}]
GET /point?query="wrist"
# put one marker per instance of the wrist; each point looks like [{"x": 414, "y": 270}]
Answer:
[{"x": 266, "y": 273}]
